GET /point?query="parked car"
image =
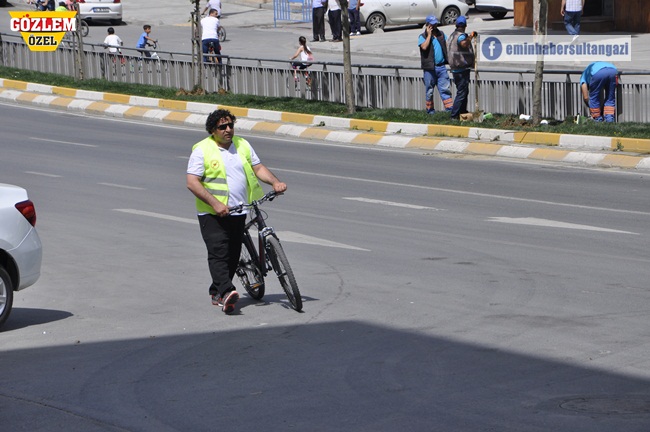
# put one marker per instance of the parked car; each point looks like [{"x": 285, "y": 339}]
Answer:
[
  {"x": 498, "y": 9},
  {"x": 20, "y": 245},
  {"x": 376, "y": 14},
  {"x": 104, "y": 10}
]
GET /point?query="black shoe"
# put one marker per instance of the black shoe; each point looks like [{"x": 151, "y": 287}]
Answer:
[{"x": 314, "y": 40}]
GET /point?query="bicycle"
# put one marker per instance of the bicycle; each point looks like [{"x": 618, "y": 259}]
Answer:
[{"x": 255, "y": 263}]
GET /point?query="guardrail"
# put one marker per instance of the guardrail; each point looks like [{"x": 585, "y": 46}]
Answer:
[{"x": 376, "y": 86}]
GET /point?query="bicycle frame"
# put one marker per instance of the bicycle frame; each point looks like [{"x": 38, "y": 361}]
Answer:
[{"x": 263, "y": 232}]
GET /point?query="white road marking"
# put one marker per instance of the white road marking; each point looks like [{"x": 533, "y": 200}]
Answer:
[
  {"x": 158, "y": 216},
  {"x": 554, "y": 224},
  {"x": 391, "y": 203},
  {"x": 453, "y": 191},
  {"x": 121, "y": 186},
  {"x": 63, "y": 142},
  {"x": 285, "y": 236},
  {"x": 42, "y": 174}
]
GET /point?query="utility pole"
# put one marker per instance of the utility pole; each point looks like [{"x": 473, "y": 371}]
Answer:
[
  {"x": 540, "y": 20},
  {"x": 347, "y": 61}
]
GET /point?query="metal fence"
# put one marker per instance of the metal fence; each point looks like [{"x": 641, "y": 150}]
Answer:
[{"x": 499, "y": 91}]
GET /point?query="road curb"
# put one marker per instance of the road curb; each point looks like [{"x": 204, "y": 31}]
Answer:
[{"x": 576, "y": 149}]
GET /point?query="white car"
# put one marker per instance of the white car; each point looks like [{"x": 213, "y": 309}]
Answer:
[
  {"x": 105, "y": 10},
  {"x": 20, "y": 245},
  {"x": 498, "y": 9},
  {"x": 376, "y": 14}
]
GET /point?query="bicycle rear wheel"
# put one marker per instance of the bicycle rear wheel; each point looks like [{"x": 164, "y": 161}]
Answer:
[
  {"x": 250, "y": 275},
  {"x": 282, "y": 269}
]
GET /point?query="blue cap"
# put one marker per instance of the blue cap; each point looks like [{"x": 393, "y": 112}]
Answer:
[
  {"x": 461, "y": 21},
  {"x": 432, "y": 20}
]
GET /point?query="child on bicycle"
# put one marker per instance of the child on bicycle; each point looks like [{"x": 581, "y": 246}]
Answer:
[
  {"x": 144, "y": 41},
  {"x": 306, "y": 56}
]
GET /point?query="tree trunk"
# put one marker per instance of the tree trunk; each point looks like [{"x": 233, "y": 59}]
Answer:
[
  {"x": 197, "y": 51},
  {"x": 540, "y": 19},
  {"x": 347, "y": 61}
]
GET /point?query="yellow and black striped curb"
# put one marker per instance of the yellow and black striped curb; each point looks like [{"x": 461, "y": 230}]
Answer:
[{"x": 578, "y": 149}]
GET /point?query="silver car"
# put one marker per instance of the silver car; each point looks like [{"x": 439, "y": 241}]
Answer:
[
  {"x": 498, "y": 9},
  {"x": 110, "y": 10},
  {"x": 376, "y": 14},
  {"x": 20, "y": 245}
]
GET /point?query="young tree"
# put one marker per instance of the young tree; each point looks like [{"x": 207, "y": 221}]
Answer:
[
  {"x": 540, "y": 19},
  {"x": 347, "y": 61}
]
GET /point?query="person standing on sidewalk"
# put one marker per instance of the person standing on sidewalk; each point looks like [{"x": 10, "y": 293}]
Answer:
[
  {"x": 318, "y": 19},
  {"x": 334, "y": 15},
  {"x": 433, "y": 58},
  {"x": 355, "y": 18},
  {"x": 571, "y": 10},
  {"x": 599, "y": 77},
  {"x": 223, "y": 170},
  {"x": 461, "y": 60}
]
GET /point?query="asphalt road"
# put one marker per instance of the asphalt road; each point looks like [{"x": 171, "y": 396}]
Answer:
[{"x": 441, "y": 293}]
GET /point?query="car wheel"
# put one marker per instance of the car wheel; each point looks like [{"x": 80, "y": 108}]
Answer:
[
  {"x": 498, "y": 15},
  {"x": 375, "y": 21},
  {"x": 449, "y": 15},
  {"x": 6, "y": 295}
]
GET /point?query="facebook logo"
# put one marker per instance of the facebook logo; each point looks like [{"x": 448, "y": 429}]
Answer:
[{"x": 491, "y": 48}]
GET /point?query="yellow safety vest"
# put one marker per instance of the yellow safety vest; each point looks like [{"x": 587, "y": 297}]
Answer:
[{"x": 214, "y": 178}]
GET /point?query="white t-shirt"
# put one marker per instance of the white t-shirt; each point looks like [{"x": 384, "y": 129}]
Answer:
[
  {"x": 114, "y": 42},
  {"x": 210, "y": 28},
  {"x": 215, "y": 4},
  {"x": 235, "y": 175}
]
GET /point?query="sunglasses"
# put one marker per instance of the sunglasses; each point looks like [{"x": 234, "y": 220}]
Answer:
[{"x": 226, "y": 126}]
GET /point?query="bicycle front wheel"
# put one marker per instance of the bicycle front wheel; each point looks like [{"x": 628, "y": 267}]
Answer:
[
  {"x": 282, "y": 269},
  {"x": 250, "y": 275},
  {"x": 84, "y": 28},
  {"x": 221, "y": 33}
]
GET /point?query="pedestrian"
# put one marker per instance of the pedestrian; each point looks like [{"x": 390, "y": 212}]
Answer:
[
  {"x": 61, "y": 7},
  {"x": 213, "y": 4},
  {"x": 354, "y": 17},
  {"x": 596, "y": 78},
  {"x": 318, "y": 19},
  {"x": 571, "y": 10},
  {"x": 210, "y": 35},
  {"x": 334, "y": 15},
  {"x": 433, "y": 58},
  {"x": 144, "y": 40},
  {"x": 224, "y": 170},
  {"x": 306, "y": 57},
  {"x": 461, "y": 60}
]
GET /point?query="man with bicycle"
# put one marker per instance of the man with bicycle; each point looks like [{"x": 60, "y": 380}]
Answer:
[
  {"x": 224, "y": 170},
  {"x": 210, "y": 36}
]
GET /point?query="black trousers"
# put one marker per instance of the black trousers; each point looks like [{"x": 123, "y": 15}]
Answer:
[
  {"x": 335, "y": 24},
  {"x": 223, "y": 239},
  {"x": 318, "y": 23}
]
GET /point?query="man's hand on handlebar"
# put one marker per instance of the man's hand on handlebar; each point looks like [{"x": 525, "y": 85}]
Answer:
[
  {"x": 279, "y": 187},
  {"x": 220, "y": 209}
]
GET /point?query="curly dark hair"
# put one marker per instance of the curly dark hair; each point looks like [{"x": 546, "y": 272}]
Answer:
[{"x": 214, "y": 117}]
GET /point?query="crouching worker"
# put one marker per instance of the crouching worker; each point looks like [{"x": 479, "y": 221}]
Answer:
[{"x": 597, "y": 77}]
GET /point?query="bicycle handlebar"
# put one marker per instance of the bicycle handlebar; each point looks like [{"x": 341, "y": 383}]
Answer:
[{"x": 241, "y": 206}]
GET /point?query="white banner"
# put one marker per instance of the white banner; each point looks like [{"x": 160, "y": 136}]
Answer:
[{"x": 554, "y": 48}]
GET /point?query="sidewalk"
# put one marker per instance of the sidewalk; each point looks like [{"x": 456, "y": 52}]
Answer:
[{"x": 572, "y": 149}]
